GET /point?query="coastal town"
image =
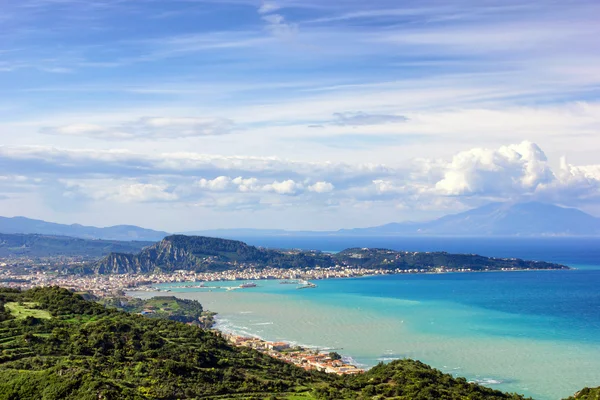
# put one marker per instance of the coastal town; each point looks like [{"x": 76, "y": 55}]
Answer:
[
  {"x": 305, "y": 358},
  {"x": 28, "y": 274},
  {"x": 108, "y": 285}
]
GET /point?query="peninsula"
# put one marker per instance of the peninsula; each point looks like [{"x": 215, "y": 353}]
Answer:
[
  {"x": 202, "y": 259},
  {"x": 204, "y": 254}
]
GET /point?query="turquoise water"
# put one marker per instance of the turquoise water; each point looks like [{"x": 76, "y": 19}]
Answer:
[{"x": 536, "y": 333}]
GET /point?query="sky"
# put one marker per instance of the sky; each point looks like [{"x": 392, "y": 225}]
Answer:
[{"x": 186, "y": 115}]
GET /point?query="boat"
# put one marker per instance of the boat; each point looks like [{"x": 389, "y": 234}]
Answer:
[
  {"x": 247, "y": 285},
  {"x": 306, "y": 285},
  {"x": 288, "y": 282}
]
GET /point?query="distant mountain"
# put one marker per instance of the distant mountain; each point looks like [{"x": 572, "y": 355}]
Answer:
[
  {"x": 119, "y": 232},
  {"x": 18, "y": 245},
  {"x": 498, "y": 219},
  {"x": 204, "y": 254},
  {"x": 495, "y": 219}
]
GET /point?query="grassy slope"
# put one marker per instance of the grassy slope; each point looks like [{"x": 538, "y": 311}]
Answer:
[{"x": 25, "y": 310}]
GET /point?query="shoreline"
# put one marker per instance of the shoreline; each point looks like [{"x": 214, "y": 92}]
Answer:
[
  {"x": 149, "y": 288},
  {"x": 300, "y": 355},
  {"x": 111, "y": 284},
  {"x": 493, "y": 377}
]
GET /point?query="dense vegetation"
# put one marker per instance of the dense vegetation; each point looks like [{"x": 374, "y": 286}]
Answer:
[
  {"x": 587, "y": 394},
  {"x": 166, "y": 307},
  {"x": 61, "y": 346},
  {"x": 16, "y": 245},
  {"x": 209, "y": 254},
  {"x": 382, "y": 258}
]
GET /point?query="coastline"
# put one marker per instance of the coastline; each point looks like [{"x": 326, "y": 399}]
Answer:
[
  {"x": 302, "y": 356},
  {"x": 305, "y": 274},
  {"x": 453, "y": 338}
]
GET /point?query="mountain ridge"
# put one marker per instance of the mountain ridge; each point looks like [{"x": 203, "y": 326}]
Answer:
[
  {"x": 501, "y": 219},
  {"x": 24, "y": 225},
  {"x": 494, "y": 219},
  {"x": 532, "y": 219}
]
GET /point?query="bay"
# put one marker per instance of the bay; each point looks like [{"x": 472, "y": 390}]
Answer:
[{"x": 536, "y": 332}]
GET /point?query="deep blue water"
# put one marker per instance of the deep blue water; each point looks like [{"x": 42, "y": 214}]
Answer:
[
  {"x": 556, "y": 304},
  {"x": 536, "y": 332},
  {"x": 542, "y": 304}
]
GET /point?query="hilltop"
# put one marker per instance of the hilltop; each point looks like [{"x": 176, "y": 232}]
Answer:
[{"x": 203, "y": 254}]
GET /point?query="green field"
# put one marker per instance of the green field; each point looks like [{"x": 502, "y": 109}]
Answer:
[{"x": 24, "y": 310}]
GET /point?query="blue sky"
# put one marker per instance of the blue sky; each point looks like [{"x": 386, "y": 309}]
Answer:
[{"x": 193, "y": 114}]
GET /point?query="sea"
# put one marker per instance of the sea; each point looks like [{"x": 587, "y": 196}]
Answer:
[{"x": 536, "y": 333}]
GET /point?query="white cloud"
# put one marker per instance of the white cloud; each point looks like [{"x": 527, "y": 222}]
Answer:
[
  {"x": 288, "y": 187},
  {"x": 254, "y": 185},
  {"x": 471, "y": 177},
  {"x": 148, "y": 128},
  {"x": 119, "y": 163},
  {"x": 321, "y": 187},
  {"x": 123, "y": 191},
  {"x": 518, "y": 169},
  {"x": 268, "y": 7},
  {"x": 385, "y": 186},
  {"x": 220, "y": 183},
  {"x": 278, "y": 26},
  {"x": 246, "y": 185},
  {"x": 140, "y": 192}
]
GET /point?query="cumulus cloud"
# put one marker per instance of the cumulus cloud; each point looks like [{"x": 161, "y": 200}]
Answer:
[
  {"x": 471, "y": 177},
  {"x": 27, "y": 160},
  {"x": 321, "y": 187},
  {"x": 518, "y": 169},
  {"x": 362, "y": 119},
  {"x": 285, "y": 187},
  {"x": 148, "y": 127},
  {"x": 246, "y": 185},
  {"x": 225, "y": 183},
  {"x": 218, "y": 184},
  {"x": 254, "y": 185}
]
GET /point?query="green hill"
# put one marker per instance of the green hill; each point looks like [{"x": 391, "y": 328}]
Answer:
[
  {"x": 203, "y": 254},
  {"x": 70, "y": 348}
]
